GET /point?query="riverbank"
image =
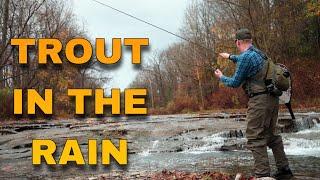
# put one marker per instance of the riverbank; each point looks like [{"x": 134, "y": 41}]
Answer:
[
  {"x": 282, "y": 109},
  {"x": 165, "y": 175},
  {"x": 151, "y": 112},
  {"x": 179, "y": 175}
]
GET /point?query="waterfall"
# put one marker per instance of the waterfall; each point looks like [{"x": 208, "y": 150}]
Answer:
[
  {"x": 306, "y": 123},
  {"x": 307, "y": 140}
]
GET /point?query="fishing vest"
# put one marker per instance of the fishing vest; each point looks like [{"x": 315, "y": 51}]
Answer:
[{"x": 255, "y": 85}]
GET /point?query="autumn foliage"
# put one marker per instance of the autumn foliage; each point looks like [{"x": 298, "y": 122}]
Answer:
[
  {"x": 181, "y": 79},
  {"x": 165, "y": 174},
  {"x": 306, "y": 78},
  {"x": 41, "y": 19}
]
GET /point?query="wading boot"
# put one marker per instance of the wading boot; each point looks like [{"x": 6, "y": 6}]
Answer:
[{"x": 283, "y": 173}]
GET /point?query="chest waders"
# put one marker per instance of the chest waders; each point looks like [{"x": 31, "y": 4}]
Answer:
[
  {"x": 262, "y": 116},
  {"x": 256, "y": 85}
]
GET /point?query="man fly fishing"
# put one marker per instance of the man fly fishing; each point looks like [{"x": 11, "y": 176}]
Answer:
[{"x": 263, "y": 106}]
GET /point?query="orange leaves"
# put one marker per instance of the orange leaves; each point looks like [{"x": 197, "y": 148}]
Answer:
[
  {"x": 313, "y": 8},
  {"x": 165, "y": 174}
]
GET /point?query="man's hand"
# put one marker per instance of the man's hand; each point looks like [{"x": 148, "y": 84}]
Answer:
[
  {"x": 224, "y": 55},
  {"x": 218, "y": 73}
]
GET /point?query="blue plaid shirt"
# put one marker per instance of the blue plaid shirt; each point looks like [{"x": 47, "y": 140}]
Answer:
[{"x": 248, "y": 63}]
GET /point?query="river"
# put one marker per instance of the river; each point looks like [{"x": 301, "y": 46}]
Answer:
[{"x": 186, "y": 142}]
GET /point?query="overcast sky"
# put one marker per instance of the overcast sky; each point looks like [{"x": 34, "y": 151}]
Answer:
[{"x": 103, "y": 22}]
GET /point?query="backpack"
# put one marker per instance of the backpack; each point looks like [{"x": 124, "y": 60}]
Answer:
[
  {"x": 277, "y": 79},
  {"x": 278, "y": 82}
]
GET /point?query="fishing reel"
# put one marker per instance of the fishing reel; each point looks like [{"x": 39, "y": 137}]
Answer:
[{"x": 214, "y": 66}]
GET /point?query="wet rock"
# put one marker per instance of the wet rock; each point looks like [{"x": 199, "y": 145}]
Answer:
[
  {"x": 122, "y": 132},
  {"x": 286, "y": 125},
  {"x": 7, "y": 131},
  {"x": 217, "y": 116},
  {"x": 240, "y": 119},
  {"x": 240, "y": 134},
  {"x": 28, "y": 145},
  {"x": 234, "y": 140},
  {"x": 232, "y": 145},
  {"x": 234, "y": 134},
  {"x": 17, "y": 128},
  {"x": 93, "y": 178},
  {"x": 228, "y": 148},
  {"x": 77, "y": 126},
  {"x": 238, "y": 116},
  {"x": 305, "y": 123}
]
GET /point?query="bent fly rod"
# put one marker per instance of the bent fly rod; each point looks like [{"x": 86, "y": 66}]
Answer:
[{"x": 214, "y": 65}]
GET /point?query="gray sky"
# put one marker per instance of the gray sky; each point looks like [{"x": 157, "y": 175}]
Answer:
[{"x": 103, "y": 22}]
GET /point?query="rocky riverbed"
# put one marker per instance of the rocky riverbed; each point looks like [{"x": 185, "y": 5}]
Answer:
[{"x": 190, "y": 143}]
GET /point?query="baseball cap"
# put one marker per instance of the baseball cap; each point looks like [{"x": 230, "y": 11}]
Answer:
[{"x": 243, "y": 33}]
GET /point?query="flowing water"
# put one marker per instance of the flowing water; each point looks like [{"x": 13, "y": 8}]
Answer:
[
  {"x": 204, "y": 154},
  {"x": 199, "y": 142}
]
